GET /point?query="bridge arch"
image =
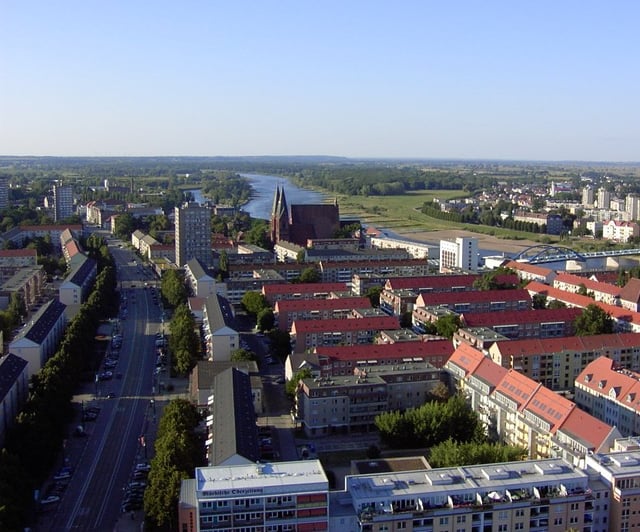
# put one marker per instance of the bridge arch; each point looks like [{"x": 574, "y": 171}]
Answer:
[{"x": 548, "y": 253}]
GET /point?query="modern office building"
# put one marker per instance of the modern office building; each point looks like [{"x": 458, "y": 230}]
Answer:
[
  {"x": 193, "y": 234},
  {"x": 459, "y": 255},
  {"x": 62, "y": 202},
  {"x": 283, "y": 496}
]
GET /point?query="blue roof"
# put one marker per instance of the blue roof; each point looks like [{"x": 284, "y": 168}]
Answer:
[
  {"x": 82, "y": 272},
  {"x": 11, "y": 367},
  {"x": 48, "y": 316}
]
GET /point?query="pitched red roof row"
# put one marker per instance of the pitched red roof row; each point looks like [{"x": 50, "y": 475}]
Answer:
[
  {"x": 561, "y": 414},
  {"x": 302, "y": 288},
  {"x": 490, "y": 319},
  {"x": 473, "y": 296},
  {"x": 292, "y": 305},
  {"x": 386, "y": 351},
  {"x": 340, "y": 325}
]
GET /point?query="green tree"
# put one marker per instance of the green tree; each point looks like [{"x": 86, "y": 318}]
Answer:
[
  {"x": 450, "y": 453},
  {"x": 173, "y": 288},
  {"x": 265, "y": 320},
  {"x": 447, "y": 325},
  {"x": 183, "y": 340},
  {"x": 253, "y": 302},
  {"x": 539, "y": 301},
  {"x": 556, "y": 303},
  {"x": 280, "y": 342},
  {"x": 373, "y": 293},
  {"x": 593, "y": 320},
  {"x": 223, "y": 264},
  {"x": 125, "y": 225},
  {"x": 310, "y": 275},
  {"x": 242, "y": 355},
  {"x": 292, "y": 385}
]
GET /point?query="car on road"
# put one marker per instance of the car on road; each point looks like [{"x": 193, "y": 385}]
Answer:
[
  {"x": 50, "y": 499},
  {"x": 111, "y": 395},
  {"x": 143, "y": 467},
  {"x": 62, "y": 475}
]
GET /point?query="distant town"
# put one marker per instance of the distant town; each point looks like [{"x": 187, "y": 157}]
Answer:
[{"x": 188, "y": 366}]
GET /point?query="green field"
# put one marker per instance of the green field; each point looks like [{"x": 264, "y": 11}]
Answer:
[{"x": 402, "y": 213}]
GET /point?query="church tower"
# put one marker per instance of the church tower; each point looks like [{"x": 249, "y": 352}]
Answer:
[{"x": 279, "y": 217}]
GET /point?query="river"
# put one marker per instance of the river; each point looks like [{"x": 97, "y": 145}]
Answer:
[{"x": 264, "y": 188}]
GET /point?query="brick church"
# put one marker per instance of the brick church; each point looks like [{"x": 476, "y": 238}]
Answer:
[{"x": 299, "y": 223}]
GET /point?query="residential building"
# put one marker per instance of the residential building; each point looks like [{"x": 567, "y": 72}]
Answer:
[
  {"x": 344, "y": 271},
  {"x": 220, "y": 337},
  {"x": 202, "y": 377},
  {"x": 632, "y": 206},
  {"x": 603, "y": 198},
  {"x": 557, "y": 362},
  {"x": 475, "y": 301},
  {"x": 417, "y": 250},
  {"x": 550, "y": 495},
  {"x": 459, "y": 255},
  {"x": 630, "y": 295},
  {"x": 4, "y": 193},
  {"x": 620, "y": 231},
  {"x": 193, "y": 234},
  {"x": 279, "y": 292},
  {"x": 620, "y": 472},
  {"x": 39, "y": 339},
  {"x": 350, "y": 404},
  {"x": 19, "y": 234},
  {"x": 233, "y": 434},
  {"x": 265, "y": 496},
  {"x": 199, "y": 280},
  {"x": 523, "y": 412},
  {"x": 26, "y": 282},
  {"x": 541, "y": 323},
  {"x": 531, "y": 272},
  {"x": 611, "y": 393},
  {"x": 289, "y": 310},
  {"x": 343, "y": 360},
  {"x": 588, "y": 196},
  {"x": 12, "y": 260},
  {"x": 62, "y": 202},
  {"x": 603, "y": 292},
  {"x": 14, "y": 390},
  {"x": 76, "y": 286},
  {"x": 307, "y": 334}
]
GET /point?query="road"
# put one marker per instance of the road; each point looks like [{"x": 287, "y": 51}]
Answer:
[{"x": 104, "y": 461}]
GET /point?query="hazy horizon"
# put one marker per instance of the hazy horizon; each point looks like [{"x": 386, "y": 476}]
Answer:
[{"x": 412, "y": 80}]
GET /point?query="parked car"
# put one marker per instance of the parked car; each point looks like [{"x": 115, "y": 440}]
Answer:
[{"x": 50, "y": 499}]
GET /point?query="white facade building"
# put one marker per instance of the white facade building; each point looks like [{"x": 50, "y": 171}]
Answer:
[{"x": 459, "y": 255}]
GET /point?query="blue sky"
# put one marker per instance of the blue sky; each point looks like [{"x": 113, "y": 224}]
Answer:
[{"x": 544, "y": 80}]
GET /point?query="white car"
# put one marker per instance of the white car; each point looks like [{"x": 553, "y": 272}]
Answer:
[{"x": 50, "y": 499}]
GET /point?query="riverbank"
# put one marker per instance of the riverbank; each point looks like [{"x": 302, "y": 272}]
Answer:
[{"x": 500, "y": 245}]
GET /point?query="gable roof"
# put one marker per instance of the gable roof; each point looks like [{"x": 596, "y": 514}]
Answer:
[
  {"x": 466, "y": 358},
  {"x": 335, "y": 303},
  {"x": 235, "y": 431},
  {"x": 301, "y": 288},
  {"x": 386, "y": 351},
  {"x": 631, "y": 291},
  {"x": 493, "y": 319},
  {"x": 518, "y": 388},
  {"x": 43, "y": 321},
  {"x": 427, "y": 299},
  {"x": 11, "y": 366},
  {"x": 351, "y": 324},
  {"x": 594, "y": 434},
  {"x": 529, "y": 268}
]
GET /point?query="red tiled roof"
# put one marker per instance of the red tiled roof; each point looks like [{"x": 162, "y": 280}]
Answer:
[
  {"x": 518, "y": 388},
  {"x": 603, "y": 378},
  {"x": 26, "y": 252},
  {"x": 338, "y": 325},
  {"x": 529, "y": 268},
  {"x": 467, "y": 358},
  {"x": 473, "y": 296},
  {"x": 291, "y": 305},
  {"x": 591, "y": 431},
  {"x": 431, "y": 281},
  {"x": 537, "y": 346},
  {"x": 550, "y": 406},
  {"x": 397, "y": 350},
  {"x": 302, "y": 288},
  {"x": 631, "y": 290},
  {"x": 73, "y": 227},
  {"x": 590, "y": 285},
  {"x": 491, "y": 319},
  {"x": 490, "y": 372}
]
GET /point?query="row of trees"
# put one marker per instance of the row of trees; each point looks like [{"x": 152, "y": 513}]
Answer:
[
  {"x": 35, "y": 441},
  {"x": 179, "y": 449},
  {"x": 184, "y": 343}
]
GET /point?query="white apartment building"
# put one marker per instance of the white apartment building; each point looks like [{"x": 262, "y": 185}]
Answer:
[{"x": 459, "y": 255}]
